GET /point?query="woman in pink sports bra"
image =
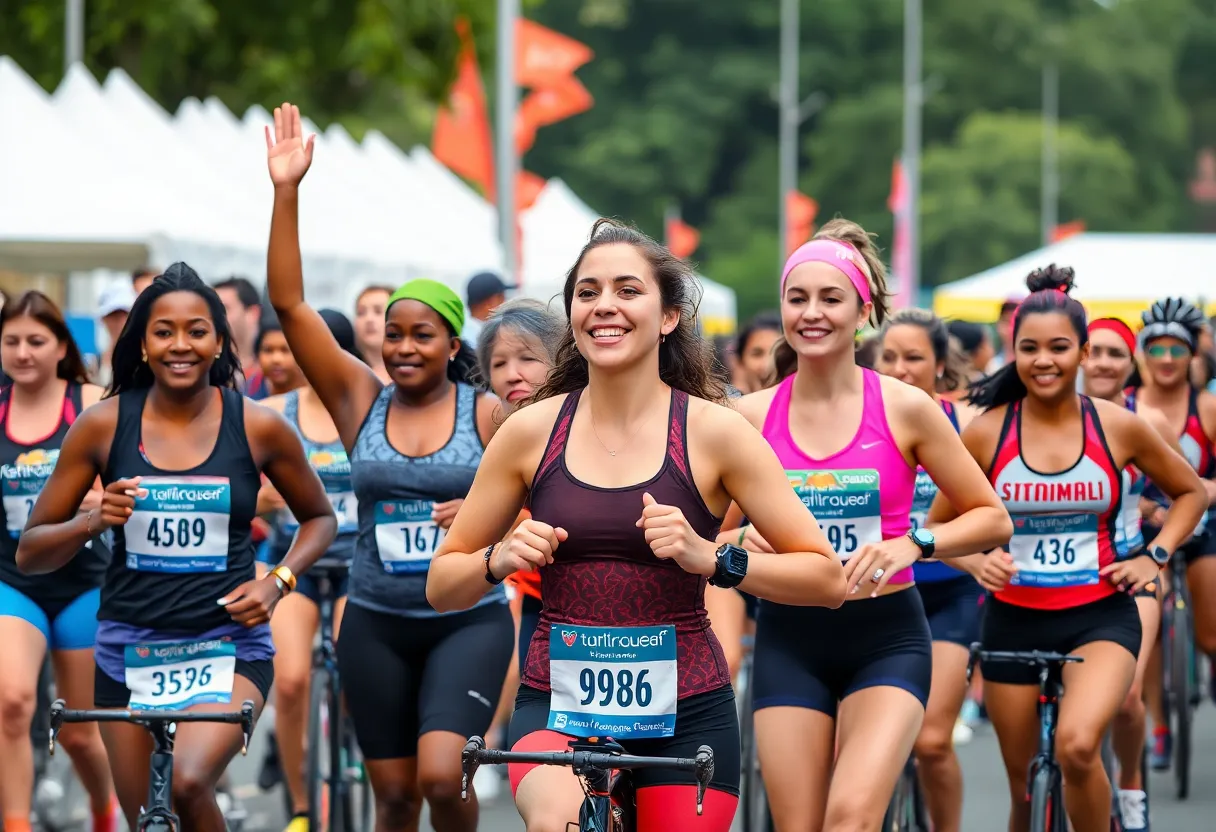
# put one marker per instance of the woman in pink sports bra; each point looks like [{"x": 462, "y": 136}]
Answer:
[{"x": 850, "y": 441}]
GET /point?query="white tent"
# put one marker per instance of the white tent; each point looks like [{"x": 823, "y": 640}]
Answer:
[
  {"x": 556, "y": 228},
  {"x": 1118, "y": 275}
]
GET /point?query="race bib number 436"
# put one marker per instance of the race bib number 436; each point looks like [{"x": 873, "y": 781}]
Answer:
[
  {"x": 618, "y": 682},
  {"x": 180, "y": 525},
  {"x": 1055, "y": 550},
  {"x": 171, "y": 676},
  {"x": 845, "y": 503}
]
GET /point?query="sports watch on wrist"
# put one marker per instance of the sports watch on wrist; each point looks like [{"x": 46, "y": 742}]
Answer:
[
  {"x": 924, "y": 540},
  {"x": 1159, "y": 555},
  {"x": 731, "y": 568}
]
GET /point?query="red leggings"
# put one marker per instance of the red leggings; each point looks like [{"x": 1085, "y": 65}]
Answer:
[{"x": 660, "y": 808}]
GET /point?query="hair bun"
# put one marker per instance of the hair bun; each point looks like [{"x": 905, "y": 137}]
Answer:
[
  {"x": 181, "y": 269},
  {"x": 1055, "y": 277}
]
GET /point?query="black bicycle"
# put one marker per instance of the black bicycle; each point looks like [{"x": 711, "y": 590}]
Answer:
[
  {"x": 610, "y": 804},
  {"x": 907, "y": 811},
  {"x": 753, "y": 800},
  {"x": 1180, "y": 671},
  {"x": 157, "y": 814},
  {"x": 57, "y": 797},
  {"x": 1045, "y": 780},
  {"x": 338, "y": 773}
]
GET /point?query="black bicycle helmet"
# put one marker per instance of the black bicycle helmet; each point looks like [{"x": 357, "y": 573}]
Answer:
[{"x": 1173, "y": 318}]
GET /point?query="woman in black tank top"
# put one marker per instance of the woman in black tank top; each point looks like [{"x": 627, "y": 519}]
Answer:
[
  {"x": 624, "y": 552},
  {"x": 56, "y": 612},
  {"x": 180, "y": 453}
]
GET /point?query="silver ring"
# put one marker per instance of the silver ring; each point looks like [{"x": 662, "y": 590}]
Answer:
[{"x": 877, "y": 576}]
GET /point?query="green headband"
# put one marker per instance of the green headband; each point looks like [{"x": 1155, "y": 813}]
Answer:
[{"x": 435, "y": 295}]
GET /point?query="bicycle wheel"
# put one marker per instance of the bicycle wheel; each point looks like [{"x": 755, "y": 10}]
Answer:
[
  {"x": 360, "y": 789},
  {"x": 1181, "y": 657},
  {"x": 756, "y": 815},
  {"x": 316, "y": 771},
  {"x": 1046, "y": 811}
]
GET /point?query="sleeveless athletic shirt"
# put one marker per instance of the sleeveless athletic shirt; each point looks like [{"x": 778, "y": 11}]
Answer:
[
  {"x": 24, "y": 470},
  {"x": 396, "y": 494},
  {"x": 932, "y": 571},
  {"x": 187, "y": 543},
  {"x": 329, "y": 460},
  {"x": 605, "y": 575},
  {"x": 1197, "y": 449},
  {"x": 1065, "y": 524},
  {"x": 861, "y": 494}
]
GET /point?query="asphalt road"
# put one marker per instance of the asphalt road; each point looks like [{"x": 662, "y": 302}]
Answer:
[{"x": 985, "y": 806}]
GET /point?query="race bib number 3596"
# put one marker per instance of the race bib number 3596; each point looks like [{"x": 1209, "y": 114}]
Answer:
[
  {"x": 846, "y": 504},
  {"x": 180, "y": 525},
  {"x": 171, "y": 676},
  {"x": 618, "y": 682}
]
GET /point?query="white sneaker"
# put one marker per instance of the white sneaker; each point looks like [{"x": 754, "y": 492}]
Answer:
[
  {"x": 962, "y": 733},
  {"x": 1133, "y": 806},
  {"x": 487, "y": 783}
]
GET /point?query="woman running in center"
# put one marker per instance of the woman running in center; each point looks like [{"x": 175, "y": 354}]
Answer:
[
  {"x": 851, "y": 440},
  {"x": 627, "y": 462}
]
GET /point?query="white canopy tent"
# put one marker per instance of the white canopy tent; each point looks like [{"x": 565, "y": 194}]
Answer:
[
  {"x": 555, "y": 230},
  {"x": 1118, "y": 275}
]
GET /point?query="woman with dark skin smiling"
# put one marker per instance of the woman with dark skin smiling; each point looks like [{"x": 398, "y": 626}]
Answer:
[
  {"x": 417, "y": 683},
  {"x": 1056, "y": 460},
  {"x": 180, "y": 453}
]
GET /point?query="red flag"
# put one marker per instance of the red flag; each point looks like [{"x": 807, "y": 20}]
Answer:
[
  {"x": 682, "y": 238},
  {"x": 1068, "y": 229},
  {"x": 543, "y": 57},
  {"x": 548, "y": 105},
  {"x": 901, "y": 248},
  {"x": 462, "y": 128},
  {"x": 800, "y": 212},
  {"x": 527, "y": 188}
]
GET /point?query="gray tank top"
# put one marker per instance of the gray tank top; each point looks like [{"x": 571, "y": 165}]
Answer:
[{"x": 395, "y": 493}]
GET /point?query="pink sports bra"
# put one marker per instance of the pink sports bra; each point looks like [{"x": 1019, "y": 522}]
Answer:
[{"x": 860, "y": 494}]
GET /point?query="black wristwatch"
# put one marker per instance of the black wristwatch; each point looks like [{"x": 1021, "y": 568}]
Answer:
[
  {"x": 731, "y": 568},
  {"x": 1159, "y": 555},
  {"x": 924, "y": 540}
]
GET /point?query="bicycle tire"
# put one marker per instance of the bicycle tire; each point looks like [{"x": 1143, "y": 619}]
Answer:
[
  {"x": 314, "y": 778},
  {"x": 340, "y": 810},
  {"x": 1042, "y": 806},
  {"x": 360, "y": 794},
  {"x": 757, "y": 817},
  {"x": 1180, "y": 699}
]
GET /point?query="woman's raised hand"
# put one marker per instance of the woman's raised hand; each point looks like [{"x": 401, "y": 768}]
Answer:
[{"x": 288, "y": 155}]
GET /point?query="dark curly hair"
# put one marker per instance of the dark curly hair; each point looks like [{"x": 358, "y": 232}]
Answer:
[{"x": 686, "y": 360}]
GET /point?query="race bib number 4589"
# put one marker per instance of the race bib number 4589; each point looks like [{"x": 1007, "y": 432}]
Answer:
[{"x": 180, "y": 525}]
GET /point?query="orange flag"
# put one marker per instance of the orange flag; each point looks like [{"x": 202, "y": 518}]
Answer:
[
  {"x": 682, "y": 238},
  {"x": 548, "y": 105},
  {"x": 800, "y": 211},
  {"x": 544, "y": 57},
  {"x": 527, "y": 188},
  {"x": 462, "y": 128},
  {"x": 1067, "y": 229}
]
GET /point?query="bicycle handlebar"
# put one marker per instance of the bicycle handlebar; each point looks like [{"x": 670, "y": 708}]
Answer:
[
  {"x": 1042, "y": 659},
  {"x": 152, "y": 718},
  {"x": 475, "y": 754}
]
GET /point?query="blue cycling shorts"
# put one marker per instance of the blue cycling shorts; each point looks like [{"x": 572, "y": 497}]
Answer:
[{"x": 70, "y": 626}]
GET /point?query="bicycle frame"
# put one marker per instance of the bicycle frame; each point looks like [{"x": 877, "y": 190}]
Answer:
[
  {"x": 602, "y": 765},
  {"x": 157, "y": 812},
  {"x": 325, "y": 657}
]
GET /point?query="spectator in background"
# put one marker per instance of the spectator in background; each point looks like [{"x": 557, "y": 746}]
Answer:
[
  {"x": 867, "y": 349},
  {"x": 142, "y": 278},
  {"x": 753, "y": 353},
  {"x": 243, "y": 305},
  {"x": 112, "y": 308},
  {"x": 369, "y": 327},
  {"x": 485, "y": 293},
  {"x": 1004, "y": 331},
  {"x": 975, "y": 343}
]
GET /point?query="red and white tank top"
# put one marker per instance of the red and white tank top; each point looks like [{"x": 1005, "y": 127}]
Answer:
[{"x": 1064, "y": 524}]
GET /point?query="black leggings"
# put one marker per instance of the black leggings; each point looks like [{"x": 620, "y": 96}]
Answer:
[{"x": 404, "y": 677}]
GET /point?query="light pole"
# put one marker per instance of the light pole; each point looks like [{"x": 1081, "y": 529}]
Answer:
[
  {"x": 792, "y": 113},
  {"x": 506, "y": 162},
  {"x": 73, "y": 33},
  {"x": 1049, "y": 208},
  {"x": 914, "y": 97}
]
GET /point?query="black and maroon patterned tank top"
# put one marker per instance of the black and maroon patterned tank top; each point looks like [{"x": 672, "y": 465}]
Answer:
[{"x": 605, "y": 573}]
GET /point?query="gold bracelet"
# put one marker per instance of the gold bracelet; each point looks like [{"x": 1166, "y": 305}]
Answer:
[{"x": 285, "y": 575}]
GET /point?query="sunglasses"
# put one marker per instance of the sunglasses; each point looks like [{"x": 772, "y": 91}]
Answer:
[{"x": 1161, "y": 351}]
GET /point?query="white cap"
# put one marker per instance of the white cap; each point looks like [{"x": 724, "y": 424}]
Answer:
[{"x": 117, "y": 297}]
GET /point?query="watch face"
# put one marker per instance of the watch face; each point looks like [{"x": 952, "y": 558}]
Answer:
[{"x": 923, "y": 536}]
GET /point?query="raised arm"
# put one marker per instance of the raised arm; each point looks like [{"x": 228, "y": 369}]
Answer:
[
  {"x": 347, "y": 387},
  {"x": 802, "y": 569},
  {"x": 55, "y": 531}
]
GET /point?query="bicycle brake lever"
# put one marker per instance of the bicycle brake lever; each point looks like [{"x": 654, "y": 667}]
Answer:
[
  {"x": 57, "y": 709},
  {"x": 246, "y": 725},
  {"x": 705, "y": 773},
  {"x": 468, "y": 764}
]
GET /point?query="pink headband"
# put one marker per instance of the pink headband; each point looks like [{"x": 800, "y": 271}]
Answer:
[{"x": 841, "y": 255}]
